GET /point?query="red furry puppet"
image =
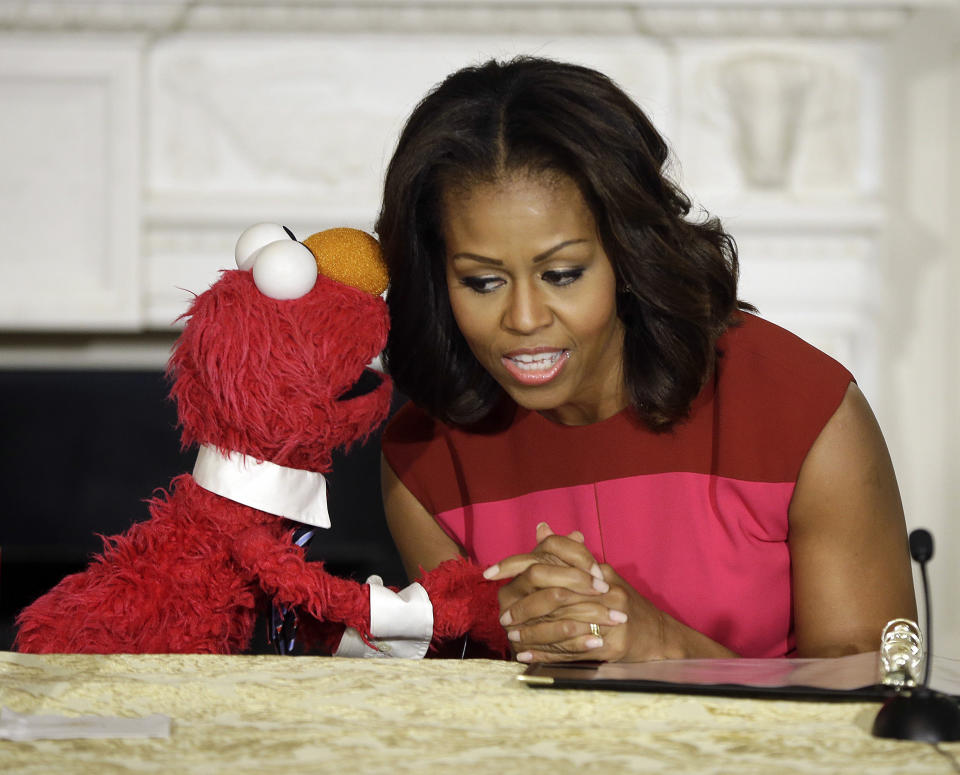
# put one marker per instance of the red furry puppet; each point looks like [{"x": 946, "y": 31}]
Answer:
[{"x": 270, "y": 377}]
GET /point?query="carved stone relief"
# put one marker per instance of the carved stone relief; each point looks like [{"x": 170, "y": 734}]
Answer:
[
  {"x": 785, "y": 120},
  {"x": 766, "y": 95}
]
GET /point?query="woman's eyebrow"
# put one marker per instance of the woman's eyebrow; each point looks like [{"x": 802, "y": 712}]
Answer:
[
  {"x": 475, "y": 257},
  {"x": 547, "y": 253},
  {"x": 537, "y": 258}
]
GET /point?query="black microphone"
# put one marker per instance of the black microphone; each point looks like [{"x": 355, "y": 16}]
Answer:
[
  {"x": 921, "y": 546},
  {"x": 921, "y": 549},
  {"x": 920, "y": 713}
]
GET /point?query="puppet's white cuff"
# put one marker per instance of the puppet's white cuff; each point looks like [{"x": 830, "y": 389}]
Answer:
[
  {"x": 401, "y": 624},
  {"x": 287, "y": 492}
]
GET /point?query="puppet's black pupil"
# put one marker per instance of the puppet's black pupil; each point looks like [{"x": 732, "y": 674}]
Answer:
[{"x": 368, "y": 382}]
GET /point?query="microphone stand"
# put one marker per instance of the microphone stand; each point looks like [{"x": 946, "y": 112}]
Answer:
[{"x": 920, "y": 713}]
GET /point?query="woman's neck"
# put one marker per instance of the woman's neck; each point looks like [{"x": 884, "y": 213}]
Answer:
[{"x": 588, "y": 413}]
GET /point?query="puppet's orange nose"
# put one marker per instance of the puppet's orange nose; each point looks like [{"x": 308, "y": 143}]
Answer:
[{"x": 350, "y": 256}]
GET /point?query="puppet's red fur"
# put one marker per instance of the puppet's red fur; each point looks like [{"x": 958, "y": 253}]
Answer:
[{"x": 261, "y": 377}]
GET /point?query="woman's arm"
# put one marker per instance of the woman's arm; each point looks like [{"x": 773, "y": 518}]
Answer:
[
  {"x": 419, "y": 539},
  {"x": 847, "y": 538}
]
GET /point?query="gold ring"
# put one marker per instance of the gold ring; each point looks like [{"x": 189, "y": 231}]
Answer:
[{"x": 595, "y": 630}]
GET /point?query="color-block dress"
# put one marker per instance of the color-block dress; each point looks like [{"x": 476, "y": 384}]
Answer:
[{"x": 694, "y": 519}]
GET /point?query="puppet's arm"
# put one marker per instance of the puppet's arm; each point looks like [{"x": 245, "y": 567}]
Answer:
[
  {"x": 283, "y": 574},
  {"x": 455, "y": 593}
]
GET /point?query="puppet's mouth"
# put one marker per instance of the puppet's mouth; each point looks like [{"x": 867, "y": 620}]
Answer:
[{"x": 369, "y": 381}]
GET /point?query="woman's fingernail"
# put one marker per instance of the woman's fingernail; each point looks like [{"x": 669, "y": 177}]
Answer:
[
  {"x": 596, "y": 572},
  {"x": 492, "y": 571},
  {"x": 525, "y": 656},
  {"x": 600, "y": 585},
  {"x": 513, "y": 635},
  {"x": 616, "y": 616},
  {"x": 506, "y": 619},
  {"x": 543, "y": 531},
  {"x": 593, "y": 643}
]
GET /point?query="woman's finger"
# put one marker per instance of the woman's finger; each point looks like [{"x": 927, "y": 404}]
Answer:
[
  {"x": 576, "y": 621},
  {"x": 510, "y": 567},
  {"x": 543, "y": 531},
  {"x": 552, "y": 603},
  {"x": 541, "y": 591},
  {"x": 569, "y": 552},
  {"x": 552, "y": 550},
  {"x": 588, "y": 646}
]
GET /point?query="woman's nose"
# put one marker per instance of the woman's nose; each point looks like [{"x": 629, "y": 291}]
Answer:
[{"x": 527, "y": 310}]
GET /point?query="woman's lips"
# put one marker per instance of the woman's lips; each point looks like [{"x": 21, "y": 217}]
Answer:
[{"x": 535, "y": 367}]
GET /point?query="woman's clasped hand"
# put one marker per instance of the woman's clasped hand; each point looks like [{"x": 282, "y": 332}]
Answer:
[{"x": 560, "y": 605}]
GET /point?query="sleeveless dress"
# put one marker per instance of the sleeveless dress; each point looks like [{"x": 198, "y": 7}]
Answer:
[{"x": 695, "y": 519}]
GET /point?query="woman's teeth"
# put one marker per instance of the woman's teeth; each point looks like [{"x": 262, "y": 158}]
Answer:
[
  {"x": 533, "y": 369},
  {"x": 536, "y": 362}
]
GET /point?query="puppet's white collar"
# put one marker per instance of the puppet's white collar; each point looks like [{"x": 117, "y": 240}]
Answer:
[{"x": 287, "y": 492}]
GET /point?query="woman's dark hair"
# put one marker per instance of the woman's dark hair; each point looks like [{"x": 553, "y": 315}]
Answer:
[{"x": 678, "y": 278}]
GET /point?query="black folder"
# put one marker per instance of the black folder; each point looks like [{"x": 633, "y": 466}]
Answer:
[{"x": 852, "y": 678}]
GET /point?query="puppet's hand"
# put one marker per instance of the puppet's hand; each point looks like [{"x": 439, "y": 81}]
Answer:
[
  {"x": 401, "y": 624},
  {"x": 465, "y": 603}
]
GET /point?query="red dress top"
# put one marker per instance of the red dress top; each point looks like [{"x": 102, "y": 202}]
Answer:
[{"x": 694, "y": 519}]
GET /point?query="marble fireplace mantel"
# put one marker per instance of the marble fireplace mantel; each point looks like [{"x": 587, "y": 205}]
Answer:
[
  {"x": 191, "y": 119},
  {"x": 630, "y": 17}
]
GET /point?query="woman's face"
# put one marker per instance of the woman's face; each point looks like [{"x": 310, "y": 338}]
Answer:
[{"x": 534, "y": 294}]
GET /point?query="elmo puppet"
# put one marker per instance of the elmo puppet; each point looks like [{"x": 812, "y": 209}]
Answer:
[{"x": 270, "y": 376}]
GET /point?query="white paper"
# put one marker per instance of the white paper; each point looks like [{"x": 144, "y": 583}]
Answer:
[{"x": 18, "y": 727}]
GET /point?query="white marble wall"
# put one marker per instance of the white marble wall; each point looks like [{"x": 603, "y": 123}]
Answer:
[
  {"x": 141, "y": 137},
  {"x": 70, "y": 190}
]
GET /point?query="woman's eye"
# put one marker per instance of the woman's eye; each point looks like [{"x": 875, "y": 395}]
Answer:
[
  {"x": 561, "y": 276},
  {"x": 482, "y": 284}
]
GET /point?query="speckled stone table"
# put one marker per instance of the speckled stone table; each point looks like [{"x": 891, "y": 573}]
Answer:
[{"x": 266, "y": 714}]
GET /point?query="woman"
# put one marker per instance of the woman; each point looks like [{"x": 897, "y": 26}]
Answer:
[{"x": 578, "y": 362}]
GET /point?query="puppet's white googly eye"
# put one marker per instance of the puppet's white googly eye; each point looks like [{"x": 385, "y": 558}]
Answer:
[
  {"x": 256, "y": 237},
  {"x": 284, "y": 270}
]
